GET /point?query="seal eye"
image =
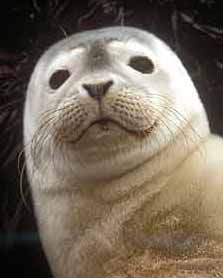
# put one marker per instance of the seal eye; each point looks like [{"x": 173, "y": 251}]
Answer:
[
  {"x": 58, "y": 78},
  {"x": 142, "y": 64}
]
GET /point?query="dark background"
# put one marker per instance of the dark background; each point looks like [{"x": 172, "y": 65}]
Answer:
[{"x": 194, "y": 29}]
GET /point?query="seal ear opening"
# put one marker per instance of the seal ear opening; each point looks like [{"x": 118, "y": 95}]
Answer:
[
  {"x": 58, "y": 78},
  {"x": 142, "y": 64}
]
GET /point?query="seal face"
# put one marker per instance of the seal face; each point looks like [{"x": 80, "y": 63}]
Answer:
[{"x": 107, "y": 99}]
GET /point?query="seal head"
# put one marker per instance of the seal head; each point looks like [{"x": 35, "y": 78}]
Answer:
[{"x": 101, "y": 103}]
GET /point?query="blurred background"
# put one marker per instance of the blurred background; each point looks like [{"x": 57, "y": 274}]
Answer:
[{"x": 194, "y": 29}]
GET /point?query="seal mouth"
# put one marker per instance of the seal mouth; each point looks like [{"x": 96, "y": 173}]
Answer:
[{"x": 103, "y": 124}]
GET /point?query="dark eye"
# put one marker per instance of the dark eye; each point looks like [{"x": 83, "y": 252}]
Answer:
[
  {"x": 58, "y": 78},
  {"x": 142, "y": 64}
]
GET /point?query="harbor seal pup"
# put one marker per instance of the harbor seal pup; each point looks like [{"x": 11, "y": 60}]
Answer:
[{"x": 119, "y": 154}]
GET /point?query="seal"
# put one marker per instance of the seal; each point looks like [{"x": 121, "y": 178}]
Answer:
[{"x": 119, "y": 154}]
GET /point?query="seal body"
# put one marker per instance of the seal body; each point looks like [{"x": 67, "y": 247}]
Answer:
[{"x": 119, "y": 154}]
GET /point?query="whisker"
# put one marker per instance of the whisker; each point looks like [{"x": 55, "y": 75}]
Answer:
[
  {"x": 186, "y": 124},
  {"x": 23, "y": 195}
]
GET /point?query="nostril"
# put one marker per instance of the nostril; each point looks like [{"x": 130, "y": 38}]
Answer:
[{"x": 98, "y": 90}]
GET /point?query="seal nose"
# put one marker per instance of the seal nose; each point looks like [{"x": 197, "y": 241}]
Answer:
[{"x": 98, "y": 90}]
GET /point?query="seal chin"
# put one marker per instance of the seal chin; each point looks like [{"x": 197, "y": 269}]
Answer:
[
  {"x": 108, "y": 129},
  {"x": 107, "y": 142},
  {"x": 102, "y": 132},
  {"x": 105, "y": 151}
]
